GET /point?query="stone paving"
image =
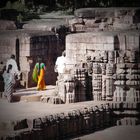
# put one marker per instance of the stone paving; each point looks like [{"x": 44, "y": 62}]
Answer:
[{"x": 114, "y": 133}]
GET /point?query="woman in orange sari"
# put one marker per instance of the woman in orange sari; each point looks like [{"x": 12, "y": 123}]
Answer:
[{"x": 39, "y": 74}]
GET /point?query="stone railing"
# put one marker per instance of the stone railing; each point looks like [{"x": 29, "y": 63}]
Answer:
[{"x": 74, "y": 123}]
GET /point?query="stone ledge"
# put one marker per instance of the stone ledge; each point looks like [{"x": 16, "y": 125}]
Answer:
[
  {"x": 84, "y": 119},
  {"x": 104, "y": 12}
]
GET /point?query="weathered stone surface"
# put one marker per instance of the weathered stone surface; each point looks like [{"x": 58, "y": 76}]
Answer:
[
  {"x": 104, "y": 19},
  {"x": 94, "y": 12},
  {"x": 7, "y": 25},
  {"x": 106, "y": 12},
  {"x": 92, "y": 38},
  {"x": 76, "y": 119},
  {"x": 45, "y": 25},
  {"x": 113, "y": 56},
  {"x": 31, "y": 98}
]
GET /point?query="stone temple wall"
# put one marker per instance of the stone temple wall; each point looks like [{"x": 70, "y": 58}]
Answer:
[
  {"x": 110, "y": 59},
  {"x": 102, "y": 63},
  {"x": 6, "y": 48}
]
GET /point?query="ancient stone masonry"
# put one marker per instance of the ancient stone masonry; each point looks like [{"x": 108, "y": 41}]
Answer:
[
  {"x": 72, "y": 123},
  {"x": 105, "y": 65},
  {"x": 95, "y": 19}
]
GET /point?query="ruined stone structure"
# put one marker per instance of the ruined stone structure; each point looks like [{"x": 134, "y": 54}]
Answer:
[
  {"x": 95, "y": 19},
  {"x": 114, "y": 64},
  {"x": 103, "y": 63}
]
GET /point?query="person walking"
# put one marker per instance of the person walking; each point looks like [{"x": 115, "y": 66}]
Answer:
[
  {"x": 9, "y": 82},
  {"x": 60, "y": 64},
  {"x": 39, "y": 74},
  {"x": 14, "y": 69}
]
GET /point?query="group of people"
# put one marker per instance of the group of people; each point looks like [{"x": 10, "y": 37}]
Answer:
[
  {"x": 11, "y": 74},
  {"x": 39, "y": 71}
]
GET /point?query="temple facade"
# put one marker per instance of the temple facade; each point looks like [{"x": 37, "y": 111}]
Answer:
[{"x": 102, "y": 63}]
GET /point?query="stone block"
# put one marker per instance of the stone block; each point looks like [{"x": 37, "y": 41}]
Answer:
[
  {"x": 71, "y": 46},
  {"x": 94, "y": 12},
  {"x": 81, "y": 46},
  {"x": 109, "y": 39},
  {"x": 80, "y": 51},
  {"x": 7, "y": 25},
  {"x": 31, "y": 98},
  {"x": 98, "y": 46},
  {"x": 109, "y": 47},
  {"x": 76, "y": 21},
  {"x": 25, "y": 39},
  {"x": 25, "y": 47},
  {"x": 79, "y": 27},
  {"x": 79, "y": 57},
  {"x": 100, "y": 39},
  {"x": 89, "y": 22},
  {"x": 72, "y": 53},
  {"x": 132, "y": 42},
  {"x": 25, "y": 53},
  {"x": 121, "y": 26},
  {"x": 56, "y": 100}
]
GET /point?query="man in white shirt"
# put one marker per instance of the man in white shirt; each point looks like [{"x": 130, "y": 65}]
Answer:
[
  {"x": 60, "y": 64},
  {"x": 14, "y": 70}
]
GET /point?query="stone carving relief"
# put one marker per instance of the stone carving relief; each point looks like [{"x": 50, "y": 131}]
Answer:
[
  {"x": 114, "y": 76},
  {"x": 105, "y": 64}
]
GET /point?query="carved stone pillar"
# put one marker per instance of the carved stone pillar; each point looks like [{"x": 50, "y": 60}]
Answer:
[
  {"x": 80, "y": 77},
  {"x": 133, "y": 82},
  {"x": 97, "y": 82},
  {"x": 70, "y": 91},
  {"x": 109, "y": 81}
]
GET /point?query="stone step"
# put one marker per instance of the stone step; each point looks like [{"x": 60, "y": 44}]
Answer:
[
  {"x": 32, "y": 94},
  {"x": 30, "y": 98}
]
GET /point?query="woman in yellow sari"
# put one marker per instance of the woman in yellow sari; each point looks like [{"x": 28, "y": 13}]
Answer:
[{"x": 39, "y": 75}]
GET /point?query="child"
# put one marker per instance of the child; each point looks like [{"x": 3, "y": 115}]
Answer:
[{"x": 9, "y": 81}]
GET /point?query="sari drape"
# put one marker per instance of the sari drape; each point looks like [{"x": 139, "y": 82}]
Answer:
[{"x": 39, "y": 76}]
